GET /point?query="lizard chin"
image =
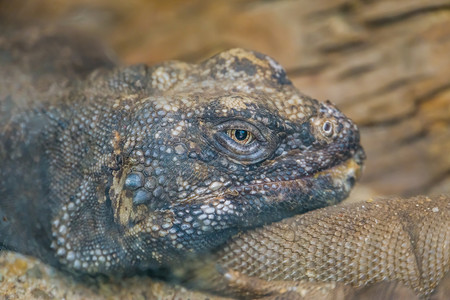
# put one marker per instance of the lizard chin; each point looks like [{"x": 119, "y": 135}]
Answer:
[{"x": 346, "y": 173}]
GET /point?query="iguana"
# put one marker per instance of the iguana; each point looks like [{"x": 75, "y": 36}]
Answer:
[{"x": 114, "y": 170}]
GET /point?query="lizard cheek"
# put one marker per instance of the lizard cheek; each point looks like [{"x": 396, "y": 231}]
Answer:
[{"x": 134, "y": 182}]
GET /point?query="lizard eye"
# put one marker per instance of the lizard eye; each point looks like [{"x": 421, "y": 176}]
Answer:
[
  {"x": 241, "y": 136},
  {"x": 243, "y": 141}
]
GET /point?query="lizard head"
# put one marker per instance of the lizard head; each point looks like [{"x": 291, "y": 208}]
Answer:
[
  {"x": 230, "y": 144},
  {"x": 202, "y": 151}
]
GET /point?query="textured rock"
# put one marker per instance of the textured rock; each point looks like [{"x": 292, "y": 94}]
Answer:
[{"x": 23, "y": 277}]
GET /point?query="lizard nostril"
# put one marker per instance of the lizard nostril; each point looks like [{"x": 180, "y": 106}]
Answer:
[{"x": 351, "y": 181}]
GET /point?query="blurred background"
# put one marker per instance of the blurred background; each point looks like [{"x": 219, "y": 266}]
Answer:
[{"x": 386, "y": 64}]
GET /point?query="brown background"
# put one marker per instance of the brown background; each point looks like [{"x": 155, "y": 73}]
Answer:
[{"x": 386, "y": 64}]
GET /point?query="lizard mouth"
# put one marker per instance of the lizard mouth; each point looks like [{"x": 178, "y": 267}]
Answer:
[
  {"x": 348, "y": 171},
  {"x": 343, "y": 175},
  {"x": 324, "y": 187}
]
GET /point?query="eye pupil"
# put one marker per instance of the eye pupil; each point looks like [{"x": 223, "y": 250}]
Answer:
[{"x": 240, "y": 134}]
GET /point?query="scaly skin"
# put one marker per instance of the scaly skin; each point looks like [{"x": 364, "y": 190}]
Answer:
[
  {"x": 118, "y": 169},
  {"x": 359, "y": 244}
]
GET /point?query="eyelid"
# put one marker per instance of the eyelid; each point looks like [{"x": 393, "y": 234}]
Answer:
[{"x": 263, "y": 145}]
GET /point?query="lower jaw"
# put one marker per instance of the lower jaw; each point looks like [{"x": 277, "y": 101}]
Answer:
[
  {"x": 343, "y": 175},
  {"x": 339, "y": 178},
  {"x": 324, "y": 188}
]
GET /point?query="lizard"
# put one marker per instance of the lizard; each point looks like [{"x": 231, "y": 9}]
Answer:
[
  {"x": 47, "y": 83},
  {"x": 346, "y": 249},
  {"x": 110, "y": 169}
]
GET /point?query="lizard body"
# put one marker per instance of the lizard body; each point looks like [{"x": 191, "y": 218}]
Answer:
[
  {"x": 109, "y": 169},
  {"x": 358, "y": 244}
]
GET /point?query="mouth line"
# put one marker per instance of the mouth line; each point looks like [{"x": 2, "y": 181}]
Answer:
[
  {"x": 348, "y": 169},
  {"x": 351, "y": 167}
]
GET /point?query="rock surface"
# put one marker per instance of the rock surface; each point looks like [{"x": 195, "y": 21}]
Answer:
[{"x": 24, "y": 277}]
